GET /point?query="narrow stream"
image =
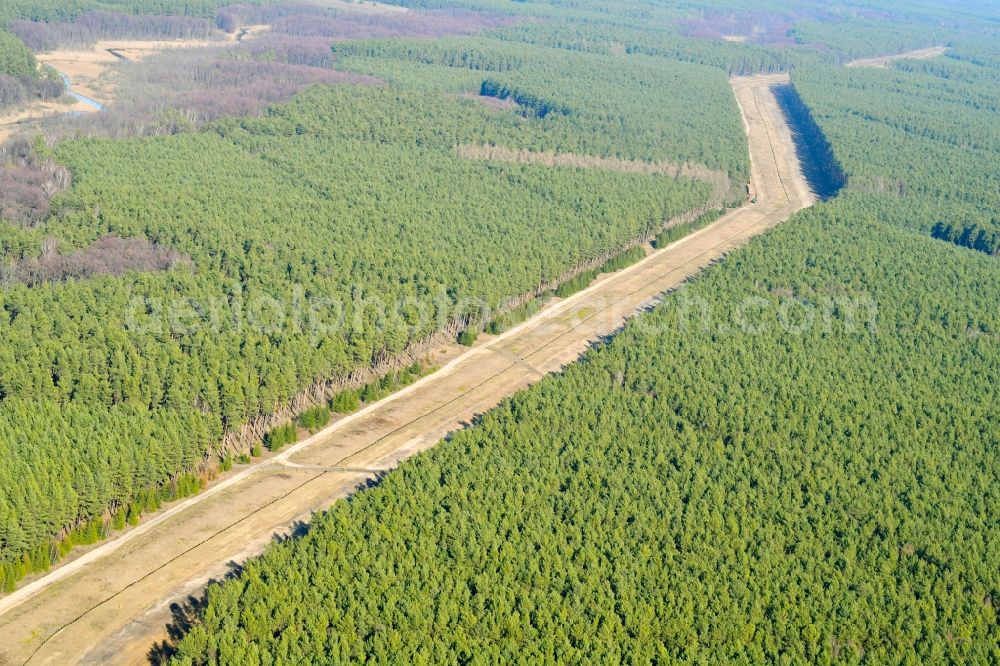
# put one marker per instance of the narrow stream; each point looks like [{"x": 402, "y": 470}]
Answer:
[{"x": 83, "y": 98}]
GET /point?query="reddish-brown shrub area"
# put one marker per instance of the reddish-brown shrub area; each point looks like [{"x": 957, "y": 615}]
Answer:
[
  {"x": 22, "y": 198},
  {"x": 92, "y": 26},
  {"x": 359, "y": 25},
  {"x": 181, "y": 89},
  {"x": 760, "y": 28},
  {"x": 11, "y": 91},
  {"x": 311, "y": 51},
  {"x": 27, "y": 184},
  {"x": 208, "y": 88},
  {"x": 266, "y": 14},
  {"x": 108, "y": 256},
  {"x": 243, "y": 88},
  {"x": 316, "y": 21}
]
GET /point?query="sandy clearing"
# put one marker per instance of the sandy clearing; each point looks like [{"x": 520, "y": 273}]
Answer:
[
  {"x": 88, "y": 68},
  {"x": 112, "y": 604},
  {"x": 90, "y": 71},
  {"x": 885, "y": 61},
  {"x": 364, "y": 6},
  {"x": 11, "y": 121},
  {"x": 248, "y": 32}
]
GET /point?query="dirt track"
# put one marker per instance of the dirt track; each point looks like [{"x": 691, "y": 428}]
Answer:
[
  {"x": 884, "y": 61},
  {"x": 112, "y": 605}
]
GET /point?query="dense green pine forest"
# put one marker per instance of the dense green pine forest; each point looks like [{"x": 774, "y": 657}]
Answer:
[
  {"x": 19, "y": 74},
  {"x": 793, "y": 490},
  {"x": 266, "y": 256},
  {"x": 791, "y": 459},
  {"x": 788, "y": 460},
  {"x": 62, "y": 10},
  {"x": 922, "y": 138},
  {"x": 15, "y": 60},
  {"x": 347, "y": 249}
]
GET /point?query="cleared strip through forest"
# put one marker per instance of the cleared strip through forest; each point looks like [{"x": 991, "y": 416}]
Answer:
[
  {"x": 883, "y": 61},
  {"x": 113, "y": 603},
  {"x": 718, "y": 179}
]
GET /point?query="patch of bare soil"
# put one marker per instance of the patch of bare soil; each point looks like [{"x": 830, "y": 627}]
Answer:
[
  {"x": 248, "y": 32},
  {"x": 743, "y": 26},
  {"x": 493, "y": 102},
  {"x": 498, "y": 104},
  {"x": 364, "y": 6},
  {"x": 885, "y": 61}
]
